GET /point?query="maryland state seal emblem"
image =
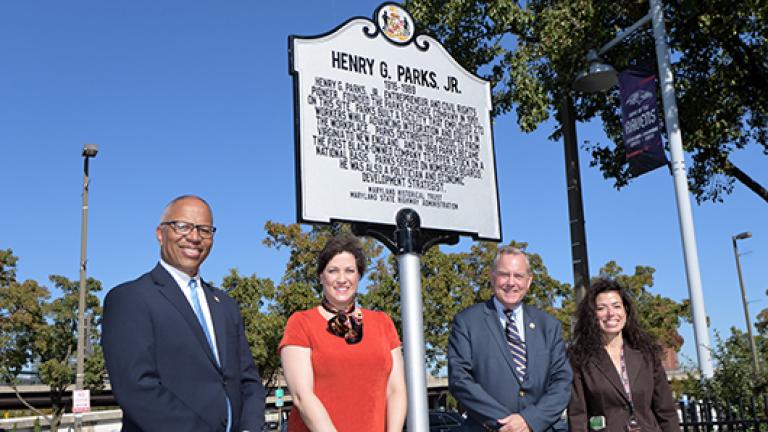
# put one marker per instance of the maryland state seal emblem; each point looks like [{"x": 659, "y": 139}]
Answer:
[{"x": 395, "y": 23}]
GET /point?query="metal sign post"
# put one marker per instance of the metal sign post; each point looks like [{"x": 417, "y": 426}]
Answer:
[
  {"x": 388, "y": 124},
  {"x": 408, "y": 241}
]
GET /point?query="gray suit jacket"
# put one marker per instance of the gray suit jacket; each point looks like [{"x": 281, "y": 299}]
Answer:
[{"x": 481, "y": 374}]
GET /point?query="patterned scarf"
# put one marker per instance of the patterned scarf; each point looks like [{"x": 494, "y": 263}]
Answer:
[{"x": 346, "y": 324}]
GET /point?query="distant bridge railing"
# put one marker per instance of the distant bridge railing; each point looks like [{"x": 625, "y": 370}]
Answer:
[{"x": 39, "y": 396}]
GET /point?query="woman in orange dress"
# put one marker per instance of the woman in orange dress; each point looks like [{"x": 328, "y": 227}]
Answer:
[{"x": 343, "y": 364}]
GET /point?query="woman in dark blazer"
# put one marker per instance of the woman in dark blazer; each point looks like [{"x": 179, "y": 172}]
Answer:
[{"x": 618, "y": 382}]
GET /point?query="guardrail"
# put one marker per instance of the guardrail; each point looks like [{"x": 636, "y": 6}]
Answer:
[
  {"x": 111, "y": 420},
  {"x": 98, "y": 421}
]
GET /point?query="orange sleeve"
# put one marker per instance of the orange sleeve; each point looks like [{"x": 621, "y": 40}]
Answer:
[
  {"x": 295, "y": 332},
  {"x": 392, "y": 338}
]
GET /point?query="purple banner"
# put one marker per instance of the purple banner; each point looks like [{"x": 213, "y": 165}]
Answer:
[{"x": 640, "y": 122}]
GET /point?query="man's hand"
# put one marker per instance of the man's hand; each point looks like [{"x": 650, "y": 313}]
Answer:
[{"x": 513, "y": 423}]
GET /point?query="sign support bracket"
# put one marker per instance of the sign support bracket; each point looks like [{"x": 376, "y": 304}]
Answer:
[{"x": 408, "y": 241}]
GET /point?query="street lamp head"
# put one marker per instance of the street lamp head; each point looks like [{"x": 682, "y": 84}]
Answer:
[
  {"x": 742, "y": 236},
  {"x": 90, "y": 150},
  {"x": 599, "y": 76}
]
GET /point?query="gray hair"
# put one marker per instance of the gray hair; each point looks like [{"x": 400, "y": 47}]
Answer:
[{"x": 510, "y": 250}]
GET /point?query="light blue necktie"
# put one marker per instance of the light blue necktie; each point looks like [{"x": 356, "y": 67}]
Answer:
[{"x": 201, "y": 318}]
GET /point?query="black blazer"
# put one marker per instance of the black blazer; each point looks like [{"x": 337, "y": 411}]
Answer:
[
  {"x": 162, "y": 370},
  {"x": 598, "y": 391}
]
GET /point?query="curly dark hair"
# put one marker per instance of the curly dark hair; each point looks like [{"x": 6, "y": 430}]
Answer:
[
  {"x": 587, "y": 336},
  {"x": 342, "y": 243}
]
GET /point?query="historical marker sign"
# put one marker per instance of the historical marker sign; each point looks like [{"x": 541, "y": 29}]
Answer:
[{"x": 387, "y": 119}]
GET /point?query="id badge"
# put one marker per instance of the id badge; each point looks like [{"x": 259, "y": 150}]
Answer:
[{"x": 597, "y": 423}]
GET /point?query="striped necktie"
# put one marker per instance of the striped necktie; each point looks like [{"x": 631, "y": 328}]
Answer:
[{"x": 516, "y": 344}]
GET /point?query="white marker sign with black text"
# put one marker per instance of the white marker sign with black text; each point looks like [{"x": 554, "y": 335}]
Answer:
[{"x": 387, "y": 119}]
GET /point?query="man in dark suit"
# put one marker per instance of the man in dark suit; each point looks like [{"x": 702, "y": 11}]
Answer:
[
  {"x": 175, "y": 347},
  {"x": 507, "y": 363}
]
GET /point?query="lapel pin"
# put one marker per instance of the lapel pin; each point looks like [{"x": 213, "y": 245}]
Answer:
[
  {"x": 532, "y": 325},
  {"x": 216, "y": 298}
]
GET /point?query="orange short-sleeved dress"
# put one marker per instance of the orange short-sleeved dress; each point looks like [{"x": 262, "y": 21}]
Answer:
[{"x": 350, "y": 380}]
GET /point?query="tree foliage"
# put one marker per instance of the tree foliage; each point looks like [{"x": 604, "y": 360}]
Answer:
[
  {"x": 734, "y": 378},
  {"x": 265, "y": 306},
  {"x": 42, "y": 331},
  {"x": 531, "y": 51},
  {"x": 262, "y": 329},
  {"x": 450, "y": 282},
  {"x": 37, "y": 329}
]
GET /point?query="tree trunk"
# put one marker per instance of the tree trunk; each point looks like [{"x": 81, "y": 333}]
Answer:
[
  {"x": 30, "y": 407},
  {"x": 734, "y": 171},
  {"x": 57, "y": 412}
]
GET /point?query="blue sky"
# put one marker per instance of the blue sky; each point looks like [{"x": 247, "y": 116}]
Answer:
[{"x": 195, "y": 97}]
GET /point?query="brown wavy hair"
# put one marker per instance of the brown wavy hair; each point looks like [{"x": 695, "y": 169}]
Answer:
[
  {"x": 587, "y": 336},
  {"x": 344, "y": 242}
]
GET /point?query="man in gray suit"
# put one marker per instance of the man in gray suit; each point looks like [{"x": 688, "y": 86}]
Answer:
[{"x": 507, "y": 363}]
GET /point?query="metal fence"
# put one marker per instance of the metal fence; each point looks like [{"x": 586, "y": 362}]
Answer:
[{"x": 745, "y": 414}]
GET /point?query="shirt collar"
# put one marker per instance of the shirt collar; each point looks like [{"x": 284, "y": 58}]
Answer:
[
  {"x": 181, "y": 278},
  {"x": 517, "y": 311}
]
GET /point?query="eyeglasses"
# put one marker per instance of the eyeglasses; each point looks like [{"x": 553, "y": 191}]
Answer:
[{"x": 185, "y": 228}]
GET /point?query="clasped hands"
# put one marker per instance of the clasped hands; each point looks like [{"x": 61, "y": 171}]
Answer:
[{"x": 513, "y": 423}]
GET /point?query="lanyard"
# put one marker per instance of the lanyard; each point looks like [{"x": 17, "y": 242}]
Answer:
[
  {"x": 632, "y": 424},
  {"x": 625, "y": 377}
]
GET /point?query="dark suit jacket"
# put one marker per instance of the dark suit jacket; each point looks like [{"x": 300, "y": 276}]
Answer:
[
  {"x": 597, "y": 391},
  {"x": 481, "y": 374},
  {"x": 161, "y": 368}
]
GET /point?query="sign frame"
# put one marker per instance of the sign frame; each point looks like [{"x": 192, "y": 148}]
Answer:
[{"x": 423, "y": 42}]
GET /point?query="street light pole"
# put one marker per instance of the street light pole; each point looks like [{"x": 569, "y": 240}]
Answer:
[
  {"x": 89, "y": 151},
  {"x": 755, "y": 364},
  {"x": 579, "y": 260},
  {"x": 601, "y": 77},
  {"x": 690, "y": 253}
]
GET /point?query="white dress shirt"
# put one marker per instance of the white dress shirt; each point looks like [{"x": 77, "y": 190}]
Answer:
[
  {"x": 517, "y": 314},
  {"x": 182, "y": 279}
]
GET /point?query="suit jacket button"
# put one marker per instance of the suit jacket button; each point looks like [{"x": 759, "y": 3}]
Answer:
[{"x": 522, "y": 393}]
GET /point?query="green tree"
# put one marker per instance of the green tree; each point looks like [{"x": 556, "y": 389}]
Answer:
[
  {"x": 531, "y": 51},
  {"x": 263, "y": 326},
  {"x": 445, "y": 290},
  {"x": 39, "y": 330},
  {"x": 762, "y": 320},
  {"x": 299, "y": 287},
  {"x": 451, "y": 282},
  {"x": 734, "y": 376},
  {"x": 266, "y": 307}
]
